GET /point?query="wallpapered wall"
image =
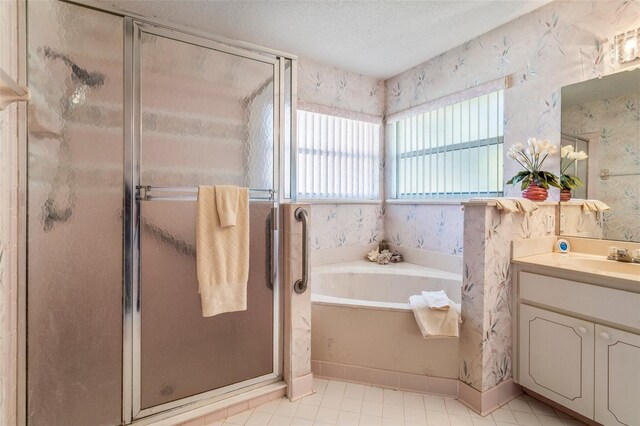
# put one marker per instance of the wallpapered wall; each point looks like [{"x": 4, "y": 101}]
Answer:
[
  {"x": 342, "y": 225},
  {"x": 617, "y": 123},
  {"x": 485, "y": 335},
  {"x": 556, "y": 45}
]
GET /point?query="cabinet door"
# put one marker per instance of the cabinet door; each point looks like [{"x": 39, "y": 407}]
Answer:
[
  {"x": 617, "y": 377},
  {"x": 556, "y": 358}
]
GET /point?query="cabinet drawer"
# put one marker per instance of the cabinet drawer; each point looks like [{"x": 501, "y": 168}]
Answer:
[{"x": 617, "y": 306}]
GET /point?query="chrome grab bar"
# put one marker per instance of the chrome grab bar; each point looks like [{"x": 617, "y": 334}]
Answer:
[{"x": 300, "y": 285}]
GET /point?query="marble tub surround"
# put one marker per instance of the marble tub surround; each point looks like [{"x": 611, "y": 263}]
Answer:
[
  {"x": 331, "y": 256},
  {"x": 297, "y": 309},
  {"x": 431, "y": 259}
]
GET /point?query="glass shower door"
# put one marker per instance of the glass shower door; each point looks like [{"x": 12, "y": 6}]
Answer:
[{"x": 206, "y": 115}]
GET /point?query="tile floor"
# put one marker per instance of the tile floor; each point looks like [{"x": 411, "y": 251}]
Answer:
[{"x": 342, "y": 403}]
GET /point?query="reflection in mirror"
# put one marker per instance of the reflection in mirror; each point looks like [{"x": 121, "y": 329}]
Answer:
[{"x": 601, "y": 118}]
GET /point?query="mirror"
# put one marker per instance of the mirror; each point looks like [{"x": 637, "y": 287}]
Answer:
[{"x": 601, "y": 118}]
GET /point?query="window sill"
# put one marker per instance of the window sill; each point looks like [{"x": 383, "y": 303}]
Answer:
[
  {"x": 336, "y": 201},
  {"x": 433, "y": 201}
]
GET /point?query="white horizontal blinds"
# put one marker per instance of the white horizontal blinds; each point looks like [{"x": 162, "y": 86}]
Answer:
[
  {"x": 452, "y": 151},
  {"x": 337, "y": 157}
]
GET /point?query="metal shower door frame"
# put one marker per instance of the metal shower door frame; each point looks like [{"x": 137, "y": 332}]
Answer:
[{"x": 131, "y": 394}]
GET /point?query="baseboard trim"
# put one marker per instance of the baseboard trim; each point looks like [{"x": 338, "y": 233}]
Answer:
[
  {"x": 300, "y": 387},
  {"x": 486, "y": 402}
]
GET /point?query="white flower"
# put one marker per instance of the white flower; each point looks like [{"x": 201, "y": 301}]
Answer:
[
  {"x": 566, "y": 150},
  {"x": 534, "y": 146},
  {"x": 581, "y": 155},
  {"x": 512, "y": 154},
  {"x": 517, "y": 147}
]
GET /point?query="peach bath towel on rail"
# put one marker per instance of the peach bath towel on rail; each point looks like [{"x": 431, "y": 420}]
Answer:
[{"x": 222, "y": 248}]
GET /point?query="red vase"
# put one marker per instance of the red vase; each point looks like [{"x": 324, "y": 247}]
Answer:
[
  {"x": 535, "y": 192},
  {"x": 565, "y": 194}
]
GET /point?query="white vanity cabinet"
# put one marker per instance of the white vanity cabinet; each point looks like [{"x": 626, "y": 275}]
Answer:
[
  {"x": 617, "y": 376},
  {"x": 556, "y": 357},
  {"x": 571, "y": 347}
]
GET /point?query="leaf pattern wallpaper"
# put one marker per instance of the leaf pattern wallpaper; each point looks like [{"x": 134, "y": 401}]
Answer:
[
  {"x": 556, "y": 45},
  {"x": 485, "y": 335}
]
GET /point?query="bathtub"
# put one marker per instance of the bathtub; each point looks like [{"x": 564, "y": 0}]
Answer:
[{"x": 362, "y": 324}]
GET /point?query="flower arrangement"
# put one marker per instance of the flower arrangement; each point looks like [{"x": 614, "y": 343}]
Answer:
[
  {"x": 531, "y": 157},
  {"x": 568, "y": 156}
]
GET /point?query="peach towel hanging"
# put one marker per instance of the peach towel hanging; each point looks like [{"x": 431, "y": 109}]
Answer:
[{"x": 222, "y": 248}]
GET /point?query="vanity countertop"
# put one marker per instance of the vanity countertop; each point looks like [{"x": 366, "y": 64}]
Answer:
[{"x": 588, "y": 266}]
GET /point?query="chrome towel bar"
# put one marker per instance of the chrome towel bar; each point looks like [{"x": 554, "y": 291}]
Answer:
[
  {"x": 190, "y": 193},
  {"x": 606, "y": 174},
  {"x": 300, "y": 286}
]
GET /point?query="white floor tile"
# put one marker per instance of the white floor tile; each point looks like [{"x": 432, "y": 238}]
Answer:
[
  {"x": 278, "y": 420},
  {"x": 549, "y": 420},
  {"x": 520, "y": 404},
  {"x": 456, "y": 407},
  {"x": 393, "y": 397},
  {"x": 319, "y": 385},
  {"x": 240, "y": 418},
  {"x": 346, "y": 418},
  {"x": 351, "y": 405},
  {"x": 392, "y": 422},
  {"x": 415, "y": 415},
  {"x": 368, "y": 420},
  {"x": 435, "y": 418},
  {"x": 373, "y": 394},
  {"x": 372, "y": 408},
  {"x": 331, "y": 401},
  {"x": 258, "y": 418},
  {"x": 504, "y": 415},
  {"x": 287, "y": 408},
  {"x": 434, "y": 404},
  {"x": 413, "y": 400},
  {"x": 392, "y": 411},
  {"x": 483, "y": 421},
  {"x": 307, "y": 412},
  {"x": 327, "y": 415},
  {"x": 460, "y": 420},
  {"x": 526, "y": 419},
  {"x": 314, "y": 399},
  {"x": 540, "y": 408},
  {"x": 301, "y": 422},
  {"x": 354, "y": 391},
  {"x": 335, "y": 388}
]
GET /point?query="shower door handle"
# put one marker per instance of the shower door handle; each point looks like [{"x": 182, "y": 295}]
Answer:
[{"x": 300, "y": 285}]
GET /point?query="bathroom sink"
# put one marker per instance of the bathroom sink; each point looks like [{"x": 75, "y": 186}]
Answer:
[{"x": 601, "y": 264}]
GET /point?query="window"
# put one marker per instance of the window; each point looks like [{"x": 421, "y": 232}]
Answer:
[
  {"x": 454, "y": 150},
  {"x": 338, "y": 158}
]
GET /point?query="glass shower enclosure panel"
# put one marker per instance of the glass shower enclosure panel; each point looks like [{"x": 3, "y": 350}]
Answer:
[
  {"x": 74, "y": 215},
  {"x": 206, "y": 118}
]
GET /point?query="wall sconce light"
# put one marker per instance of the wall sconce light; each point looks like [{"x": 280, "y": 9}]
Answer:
[{"x": 625, "y": 47}]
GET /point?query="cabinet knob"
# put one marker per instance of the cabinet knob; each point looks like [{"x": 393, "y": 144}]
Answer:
[
  {"x": 604, "y": 336},
  {"x": 583, "y": 331}
]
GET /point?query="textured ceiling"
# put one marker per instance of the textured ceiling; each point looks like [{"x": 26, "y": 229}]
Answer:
[{"x": 379, "y": 38}]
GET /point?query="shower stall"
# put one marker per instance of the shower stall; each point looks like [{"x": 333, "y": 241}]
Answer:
[{"x": 128, "y": 116}]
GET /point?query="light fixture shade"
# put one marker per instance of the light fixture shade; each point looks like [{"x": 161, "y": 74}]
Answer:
[{"x": 625, "y": 47}]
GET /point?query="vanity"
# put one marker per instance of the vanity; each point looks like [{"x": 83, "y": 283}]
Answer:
[{"x": 577, "y": 329}]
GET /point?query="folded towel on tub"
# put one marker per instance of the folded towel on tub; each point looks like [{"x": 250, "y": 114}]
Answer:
[
  {"x": 437, "y": 300},
  {"x": 435, "y": 322}
]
